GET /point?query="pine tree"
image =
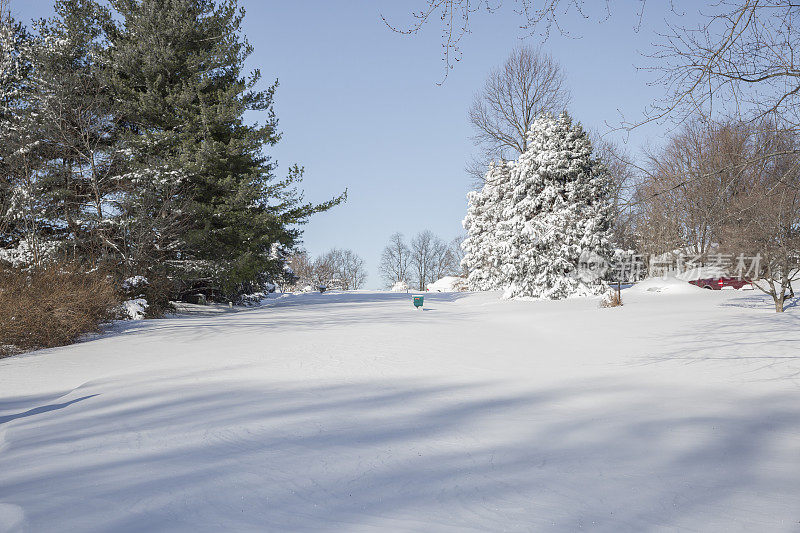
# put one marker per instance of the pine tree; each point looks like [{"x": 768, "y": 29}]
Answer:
[
  {"x": 80, "y": 179},
  {"x": 561, "y": 215},
  {"x": 15, "y": 66},
  {"x": 484, "y": 259},
  {"x": 176, "y": 69},
  {"x": 23, "y": 226},
  {"x": 546, "y": 231}
]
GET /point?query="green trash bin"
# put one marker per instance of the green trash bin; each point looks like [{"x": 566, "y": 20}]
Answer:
[{"x": 418, "y": 301}]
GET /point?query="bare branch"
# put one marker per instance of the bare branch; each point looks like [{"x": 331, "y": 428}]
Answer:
[{"x": 454, "y": 15}]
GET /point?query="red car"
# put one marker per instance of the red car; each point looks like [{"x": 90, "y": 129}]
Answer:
[{"x": 717, "y": 283}]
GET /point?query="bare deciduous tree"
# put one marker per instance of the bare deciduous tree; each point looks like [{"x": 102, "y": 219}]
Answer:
[
  {"x": 339, "y": 269},
  {"x": 739, "y": 61},
  {"x": 458, "y": 255},
  {"x": 623, "y": 179},
  {"x": 5, "y": 11},
  {"x": 431, "y": 259},
  {"x": 444, "y": 260},
  {"x": 350, "y": 270},
  {"x": 422, "y": 254},
  {"x": 767, "y": 215},
  {"x": 732, "y": 188},
  {"x": 686, "y": 197},
  {"x": 529, "y": 83},
  {"x": 324, "y": 269},
  {"x": 303, "y": 268},
  {"x": 394, "y": 266}
]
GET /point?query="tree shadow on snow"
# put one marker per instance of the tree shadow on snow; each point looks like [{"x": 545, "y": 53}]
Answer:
[
  {"x": 761, "y": 301},
  {"x": 43, "y": 409},
  {"x": 163, "y": 453},
  {"x": 758, "y": 340}
]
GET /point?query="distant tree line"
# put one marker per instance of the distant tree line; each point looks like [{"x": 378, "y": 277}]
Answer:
[
  {"x": 427, "y": 259},
  {"x": 335, "y": 269}
]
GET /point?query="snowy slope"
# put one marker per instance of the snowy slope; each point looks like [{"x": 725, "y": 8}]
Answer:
[{"x": 354, "y": 412}]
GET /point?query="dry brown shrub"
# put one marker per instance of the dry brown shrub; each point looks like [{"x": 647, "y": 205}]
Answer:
[
  {"x": 52, "y": 306},
  {"x": 612, "y": 299}
]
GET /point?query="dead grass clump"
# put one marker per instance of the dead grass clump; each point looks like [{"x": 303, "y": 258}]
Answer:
[{"x": 612, "y": 299}]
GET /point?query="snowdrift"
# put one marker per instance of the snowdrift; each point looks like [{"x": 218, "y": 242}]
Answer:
[
  {"x": 665, "y": 285},
  {"x": 448, "y": 284}
]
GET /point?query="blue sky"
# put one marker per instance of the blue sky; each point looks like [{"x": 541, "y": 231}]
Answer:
[{"x": 360, "y": 108}]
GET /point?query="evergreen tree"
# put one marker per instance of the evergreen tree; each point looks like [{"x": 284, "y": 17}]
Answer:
[
  {"x": 176, "y": 69},
  {"x": 483, "y": 259},
  {"x": 547, "y": 233},
  {"x": 562, "y": 205},
  {"x": 80, "y": 179},
  {"x": 15, "y": 65},
  {"x": 57, "y": 135},
  {"x": 15, "y": 141}
]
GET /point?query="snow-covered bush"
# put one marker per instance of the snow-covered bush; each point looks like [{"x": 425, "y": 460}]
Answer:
[
  {"x": 611, "y": 299},
  {"x": 135, "y": 309},
  {"x": 25, "y": 254},
  {"x": 154, "y": 286},
  {"x": 135, "y": 291},
  {"x": 252, "y": 299},
  {"x": 135, "y": 283}
]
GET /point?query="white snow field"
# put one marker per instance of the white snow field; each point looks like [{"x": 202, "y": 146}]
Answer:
[{"x": 355, "y": 412}]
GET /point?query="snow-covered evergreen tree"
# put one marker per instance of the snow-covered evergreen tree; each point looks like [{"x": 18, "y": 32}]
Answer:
[
  {"x": 547, "y": 234},
  {"x": 15, "y": 64},
  {"x": 483, "y": 259},
  {"x": 56, "y": 135},
  {"x": 21, "y": 205}
]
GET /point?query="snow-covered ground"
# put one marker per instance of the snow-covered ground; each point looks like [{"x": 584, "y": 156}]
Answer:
[{"x": 356, "y": 412}]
